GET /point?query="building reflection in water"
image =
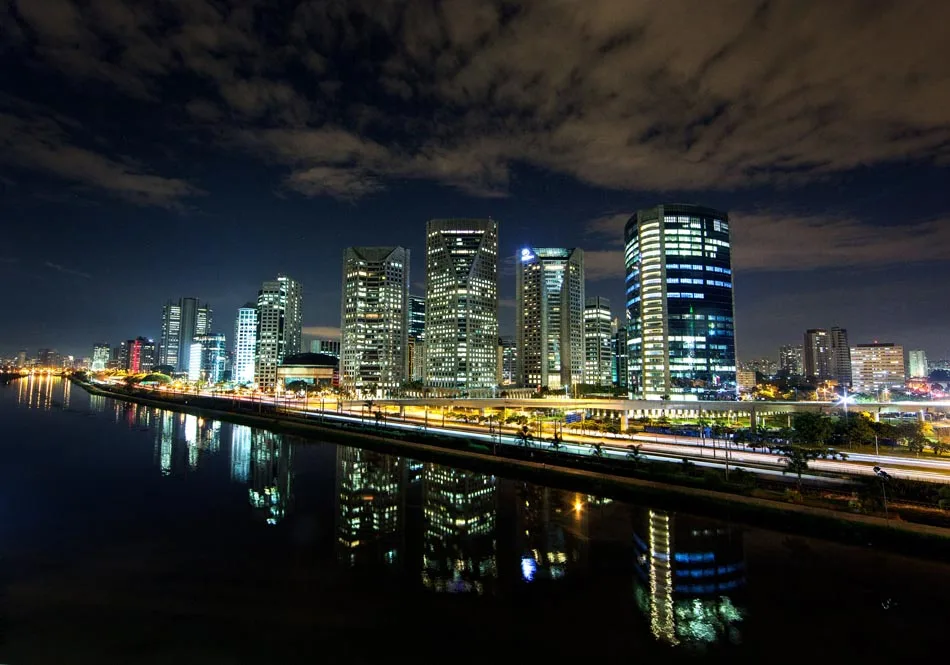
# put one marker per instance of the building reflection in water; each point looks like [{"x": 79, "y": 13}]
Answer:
[
  {"x": 459, "y": 548},
  {"x": 271, "y": 475},
  {"x": 551, "y": 533},
  {"x": 690, "y": 573},
  {"x": 164, "y": 441},
  {"x": 371, "y": 501},
  {"x": 36, "y": 391},
  {"x": 240, "y": 453}
]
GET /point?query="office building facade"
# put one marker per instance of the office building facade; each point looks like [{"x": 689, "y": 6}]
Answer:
[
  {"x": 139, "y": 355},
  {"x": 245, "y": 343},
  {"x": 328, "y": 347},
  {"x": 549, "y": 319},
  {"x": 417, "y": 338},
  {"x": 790, "y": 360},
  {"x": 918, "y": 364},
  {"x": 182, "y": 321},
  {"x": 100, "y": 357},
  {"x": 374, "y": 320},
  {"x": 840, "y": 356},
  {"x": 214, "y": 357},
  {"x": 598, "y": 345},
  {"x": 461, "y": 303},
  {"x": 681, "y": 339},
  {"x": 816, "y": 355},
  {"x": 507, "y": 361},
  {"x": 279, "y": 314},
  {"x": 877, "y": 367},
  {"x": 620, "y": 370}
]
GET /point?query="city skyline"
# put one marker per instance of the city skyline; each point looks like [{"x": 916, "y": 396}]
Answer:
[{"x": 108, "y": 117}]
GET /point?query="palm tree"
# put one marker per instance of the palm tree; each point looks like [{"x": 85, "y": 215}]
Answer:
[
  {"x": 634, "y": 455},
  {"x": 796, "y": 461},
  {"x": 524, "y": 435},
  {"x": 597, "y": 450}
]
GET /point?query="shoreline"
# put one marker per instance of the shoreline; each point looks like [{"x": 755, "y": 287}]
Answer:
[{"x": 839, "y": 526}]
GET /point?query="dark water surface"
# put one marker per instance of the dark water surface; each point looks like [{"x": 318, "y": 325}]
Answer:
[{"x": 129, "y": 534}]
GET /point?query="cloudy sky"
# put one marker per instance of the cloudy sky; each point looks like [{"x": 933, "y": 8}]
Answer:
[{"x": 158, "y": 149}]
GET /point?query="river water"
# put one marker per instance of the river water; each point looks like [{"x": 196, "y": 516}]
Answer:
[{"x": 129, "y": 534}]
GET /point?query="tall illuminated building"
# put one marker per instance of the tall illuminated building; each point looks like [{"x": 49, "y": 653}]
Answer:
[
  {"x": 620, "y": 369},
  {"x": 327, "y": 347},
  {"x": 549, "y": 319},
  {"x": 507, "y": 361},
  {"x": 100, "y": 357},
  {"x": 461, "y": 303},
  {"x": 598, "y": 347},
  {"x": 182, "y": 321},
  {"x": 370, "y": 492},
  {"x": 278, "y": 327},
  {"x": 417, "y": 338},
  {"x": 816, "y": 355},
  {"x": 245, "y": 341},
  {"x": 459, "y": 540},
  {"x": 877, "y": 367},
  {"x": 840, "y": 356},
  {"x": 374, "y": 329},
  {"x": 139, "y": 355},
  {"x": 214, "y": 355},
  {"x": 681, "y": 340},
  {"x": 918, "y": 364},
  {"x": 790, "y": 360}
]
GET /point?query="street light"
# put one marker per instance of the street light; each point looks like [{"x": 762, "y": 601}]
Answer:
[{"x": 884, "y": 476}]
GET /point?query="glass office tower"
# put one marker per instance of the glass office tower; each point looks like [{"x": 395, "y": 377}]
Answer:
[{"x": 681, "y": 340}]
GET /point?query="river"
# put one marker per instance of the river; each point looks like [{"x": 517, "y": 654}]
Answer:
[{"x": 130, "y": 534}]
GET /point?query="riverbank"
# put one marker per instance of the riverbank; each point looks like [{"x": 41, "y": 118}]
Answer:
[{"x": 613, "y": 478}]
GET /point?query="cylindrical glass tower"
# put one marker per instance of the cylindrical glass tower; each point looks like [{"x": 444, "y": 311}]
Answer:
[{"x": 681, "y": 339}]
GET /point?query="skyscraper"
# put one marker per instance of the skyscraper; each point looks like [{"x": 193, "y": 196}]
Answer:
[
  {"x": 816, "y": 355},
  {"x": 549, "y": 319},
  {"x": 840, "y": 356},
  {"x": 790, "y": 360},
  {"x": 508, "y": 361},
  {"x": 918, "y": 364},
  {"x": 214, "y": 355},
  {"x": 139, "y": 355},
  {"x": 461, "y": 303},
  {"x": 245, "y": 339},
  {"x": 328, "y": 347},
  {"x": 598, "y": 347},
  {"x": 417, "y": 338},
  {"x": 620, "y": 370},
  {"x": 100, "y": 357},
  {"x": 877, "y": 366},
  {"x": 374, "y": 320},
  {"x": 681, "y": 339},
  {"x": 278, "y": 327},
  {"x": 182, "y": 321}
]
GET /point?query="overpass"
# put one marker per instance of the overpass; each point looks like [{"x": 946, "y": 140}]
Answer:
[{"x": 625, "y": 409}]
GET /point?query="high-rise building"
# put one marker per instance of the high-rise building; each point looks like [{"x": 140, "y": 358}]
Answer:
[
  {"x": 918, "y": 364},
  {"x": 328, "y": 347},
  {"x": 507, "y": 361},
  {"x": 214, "y": 355},
  {"x": 182, "y": 321},
  {"x": 120, "y": 356},
  {"x": 461, "y": 303},
  {"x": 877, "y": 366},
  {"x": 816, "y": 355},
  {"x": 840, "y": 356},
  {"x": 100, "y": 357},
  {"x": 139, "y": 355},
  {"x": 278, "y": 327},
  {"x": 681, "y": 339},
  {"x": 47, "y": 357},
  {"x": 417, "y": 338},
  {"x": 549, "y": 319},
  {"x": 21, "y": 358},
  {"x": 375, "y": 320},
  {"x": 620, "y": 369},
  {"x": 194, "y": 361},
  {"x": 245, "y": 341},
  {"x": 790, "y": 360},
  {"x": 598, "y": 345}
]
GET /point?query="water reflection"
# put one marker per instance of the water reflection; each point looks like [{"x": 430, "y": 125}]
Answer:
[
  {"x": 371, "y": 503},
  {"x": 271, "y": 475},
  {"x": 553, "y": 531},
  {"x": 240, "y": 453},
  {"x": 689, "y": 571},
  {"x": 42, "y": 391}
]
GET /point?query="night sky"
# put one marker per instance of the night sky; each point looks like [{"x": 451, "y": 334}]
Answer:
[{"x": 152, "y": 150}]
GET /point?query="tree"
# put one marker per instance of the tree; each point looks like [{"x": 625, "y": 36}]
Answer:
[
  {"x": 796, "y": 459},
  {"x": 634, "y": 454},
  {"x": 597, "y": 450},
  {"x": 524, "y": 435},
  {"x": 812, "y": 429},
  {"x": 556, "y": 442}
]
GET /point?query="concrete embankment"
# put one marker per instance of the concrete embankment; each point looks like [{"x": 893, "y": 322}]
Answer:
[{"x": 569, "y": 472}]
